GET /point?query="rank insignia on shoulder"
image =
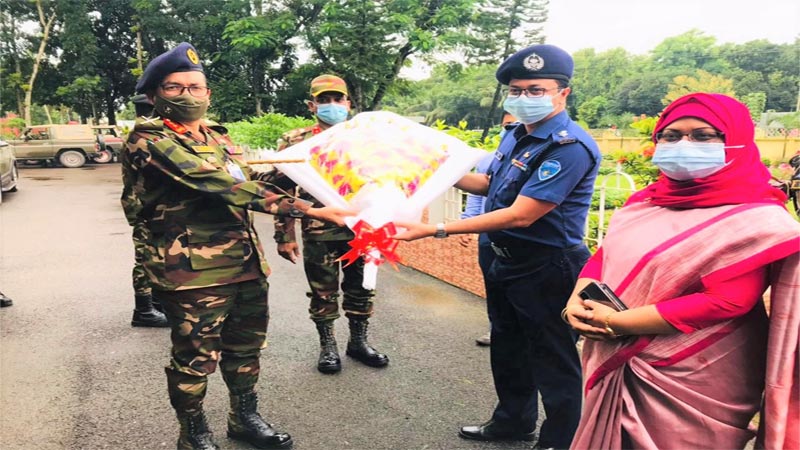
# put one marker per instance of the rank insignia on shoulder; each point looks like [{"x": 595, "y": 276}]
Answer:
[
  {"x": 519, "y": 165},
  {"x": 549, "y": 169},
  {"x": 563, "y": 137}
]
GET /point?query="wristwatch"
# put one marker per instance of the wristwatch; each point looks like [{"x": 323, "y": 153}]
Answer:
[
  {"x": 440, "y": 232},
  {"x": 295, "y": 212}
]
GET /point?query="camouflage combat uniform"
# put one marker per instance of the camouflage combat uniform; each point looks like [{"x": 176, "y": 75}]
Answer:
[
  {"x": 205, "y": 262},
  {"x": 132, "y": 208},
  {"x": 323, "y": 244}
]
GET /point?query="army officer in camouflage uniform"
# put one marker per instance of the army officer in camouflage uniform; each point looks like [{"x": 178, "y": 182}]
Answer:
[
  {"x": 147, "y": 311},
  {"x": 324, "y": 243},
  {"x": 204, "y": 259}
]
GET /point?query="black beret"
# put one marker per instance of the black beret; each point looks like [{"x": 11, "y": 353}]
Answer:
[
  {"x": 535, "y": 62},
  {"x": 182, "y": 58}
]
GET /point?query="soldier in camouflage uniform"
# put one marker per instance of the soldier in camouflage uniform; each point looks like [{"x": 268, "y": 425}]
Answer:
[
  {"x": 324, "y": 243},
  {"x": 204, "y": 260},
  {"x": 147, "y": 311}
]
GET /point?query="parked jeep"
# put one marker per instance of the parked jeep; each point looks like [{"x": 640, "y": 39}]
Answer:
[
  {"x": 111, "y": 143},
  {"x": 69, "y": 145},
  {"x": 8, "y": 170}
]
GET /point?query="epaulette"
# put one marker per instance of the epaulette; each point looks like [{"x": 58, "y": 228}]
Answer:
[
  {"x": 148, "y": 124},
  {"x": 216, "y": 126},
  {"x": 563, "y": 137}
]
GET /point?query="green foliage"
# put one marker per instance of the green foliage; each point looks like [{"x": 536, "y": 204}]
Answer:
[
  {"x": 789, "y": 121},
  {"x": 645, "y": 127},
  {"x": 264, "y": 131},
  {"x": 591, "y": 110},
  {"x": 615, "y": 198},
  {"x": 251, "y": 53},
  {"x": 702, "y": 81},
  {"x": 638, "y": 164},
  {"x": 755, "y": 101},
  {"x": 470, "y": 137}
]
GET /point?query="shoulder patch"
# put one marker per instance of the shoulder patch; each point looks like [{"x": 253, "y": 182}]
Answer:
[{"x": 548, "y": 169}]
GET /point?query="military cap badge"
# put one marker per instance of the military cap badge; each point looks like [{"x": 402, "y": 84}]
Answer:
[
  {"x": 533, "y": 62},
  {"x": 192, "y": 55}
]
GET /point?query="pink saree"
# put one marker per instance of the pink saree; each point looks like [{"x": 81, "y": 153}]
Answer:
[{"x": 701, "y": 389}]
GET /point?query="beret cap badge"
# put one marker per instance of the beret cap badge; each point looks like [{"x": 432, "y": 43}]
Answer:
[
  {"x": 533, "y": 62},
  {"x": 192, "y": 55}
]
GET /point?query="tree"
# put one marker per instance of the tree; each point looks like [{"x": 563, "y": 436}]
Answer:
[
  {"x": 263, "y": 39},
  {"x": 46, "y": 20},
  {"x": 703, "y": 82},
  {"x": 497, "y": 29},
  {"x": 367, "y": 42},
  {"x": 755, "y": 102},
  {"x": 691, "y": 50},
  {"x": 592, "y": 110},
  {"x": 600, "y": 75}
]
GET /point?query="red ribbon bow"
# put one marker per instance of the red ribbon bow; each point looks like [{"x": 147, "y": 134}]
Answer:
[{"x": 368, "y": 239}]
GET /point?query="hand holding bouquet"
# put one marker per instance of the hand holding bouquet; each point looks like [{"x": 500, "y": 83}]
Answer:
[{"x": 385, "y": 167}]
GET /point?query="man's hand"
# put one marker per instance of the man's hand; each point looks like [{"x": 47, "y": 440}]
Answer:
[
  {"x": 411, "y": 231},
  {"x": 330, "y": 214},
  {"x": 290, "y": 251}
]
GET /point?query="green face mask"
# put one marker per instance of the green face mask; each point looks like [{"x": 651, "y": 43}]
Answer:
[{"x": 181, "y": 108}]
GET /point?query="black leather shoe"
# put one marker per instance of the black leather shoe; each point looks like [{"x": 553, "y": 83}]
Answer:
[{"x": 489, "y": 431}]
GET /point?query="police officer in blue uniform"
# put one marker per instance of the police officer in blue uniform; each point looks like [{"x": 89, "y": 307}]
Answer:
[{"x": 538, "y": 190}]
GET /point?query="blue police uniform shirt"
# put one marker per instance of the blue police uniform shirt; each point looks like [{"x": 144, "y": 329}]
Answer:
[
  {"x": 556, "y": 163},
  {"x": 475, "y": 203}
]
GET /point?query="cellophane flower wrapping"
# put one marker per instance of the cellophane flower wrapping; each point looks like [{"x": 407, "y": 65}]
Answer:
[{"x": 385, "y": 167}]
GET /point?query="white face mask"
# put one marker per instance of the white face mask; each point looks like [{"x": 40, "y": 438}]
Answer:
[{"x": 687, "y": 160}]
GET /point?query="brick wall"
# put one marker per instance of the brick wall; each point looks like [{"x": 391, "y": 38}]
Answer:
[{"x": 446, "y": 260}]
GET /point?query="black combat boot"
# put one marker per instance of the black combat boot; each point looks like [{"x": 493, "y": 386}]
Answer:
[
  {"x": 245, "y": 424},
  {"x": 358, "y": 347},
  {"x": 195, "y": 433},
  {"x": 157, "y": 305},
  {"x": 145, "y": 315},
  {"x": 5, "y": 301},
  {"x": 329, "y": 361}
]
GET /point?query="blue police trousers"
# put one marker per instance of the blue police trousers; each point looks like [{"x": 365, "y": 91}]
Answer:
[{"x": 533, "y": 351}]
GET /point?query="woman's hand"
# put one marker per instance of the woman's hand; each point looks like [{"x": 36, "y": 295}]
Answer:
[
  {"x": 588, "y": 319},
  {"x": 410, "y": 231}
]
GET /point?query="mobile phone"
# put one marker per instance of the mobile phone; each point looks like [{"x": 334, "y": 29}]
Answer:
[{"x": 601, "y": 293}]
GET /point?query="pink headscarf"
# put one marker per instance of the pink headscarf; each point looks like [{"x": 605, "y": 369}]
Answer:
[{"x": 744, "y": 179}]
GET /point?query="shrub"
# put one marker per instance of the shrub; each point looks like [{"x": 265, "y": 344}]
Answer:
[{"x": 264, "y": 131}]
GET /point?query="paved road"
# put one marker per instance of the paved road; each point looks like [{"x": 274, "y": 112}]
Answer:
[{"x": 75, "y": 375}]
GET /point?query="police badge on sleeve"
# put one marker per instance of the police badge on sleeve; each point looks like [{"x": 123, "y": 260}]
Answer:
[{"x": 549, "y": 169}]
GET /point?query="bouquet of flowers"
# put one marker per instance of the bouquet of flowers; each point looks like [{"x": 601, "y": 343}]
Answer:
[{"x": 385, "y": 167}]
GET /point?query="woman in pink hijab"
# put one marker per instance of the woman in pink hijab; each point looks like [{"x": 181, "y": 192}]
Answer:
[{"x": 696, "y": 355}]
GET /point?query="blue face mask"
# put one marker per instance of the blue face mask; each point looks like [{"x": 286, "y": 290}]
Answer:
[
  {"x": 687, "y": 160},
  {"x": 331, "y": 113},
  {"x": 529, "y": 109}
]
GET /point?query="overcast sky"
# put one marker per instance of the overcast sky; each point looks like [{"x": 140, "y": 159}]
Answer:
[{"x": 639, "y": 25}]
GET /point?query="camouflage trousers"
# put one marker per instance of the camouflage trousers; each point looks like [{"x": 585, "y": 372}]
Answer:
[
  {"x": 141, "y": 283},
  {"x": 322, "y": 271},
  {"x": 220, "y": 323}
]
